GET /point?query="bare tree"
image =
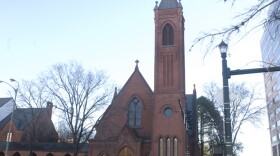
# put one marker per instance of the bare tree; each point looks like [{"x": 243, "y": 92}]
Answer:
[
  {"x": 32, "y": 109},
  {"x": 79, "y": 94},
  {"x": 248, "y": 20},
  {"x": 245, "y": 108},
  {"x": 64, "y": 132},
  {"x": 32, "y": 94}
]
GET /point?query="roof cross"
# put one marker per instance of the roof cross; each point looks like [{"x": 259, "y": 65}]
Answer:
[{"x": 136, "y": 67}]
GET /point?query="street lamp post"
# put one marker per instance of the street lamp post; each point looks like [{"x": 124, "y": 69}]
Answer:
[
  {"x": 227, "y": 117},
  {"x": 227, "y": 73},
  {"x": 10, "y": 125}
]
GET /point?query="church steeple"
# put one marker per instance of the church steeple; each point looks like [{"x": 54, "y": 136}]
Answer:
[
  {"x": 168, "y": 122},
  {"x": 169, "y": 46}
]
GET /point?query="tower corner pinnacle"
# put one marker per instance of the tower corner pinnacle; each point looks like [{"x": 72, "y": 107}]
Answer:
[{"x": 156, "y": 6}]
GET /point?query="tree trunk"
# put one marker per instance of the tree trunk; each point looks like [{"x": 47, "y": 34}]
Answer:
[{"x": 201, "y": 137}]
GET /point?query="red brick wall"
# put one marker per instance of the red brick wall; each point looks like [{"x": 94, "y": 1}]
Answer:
[{"x": 16, "y": 135}]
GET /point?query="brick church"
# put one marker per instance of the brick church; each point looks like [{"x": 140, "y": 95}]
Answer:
[
  {"x": 143, "y": 122},
  {"x": 140, "y": 121}
]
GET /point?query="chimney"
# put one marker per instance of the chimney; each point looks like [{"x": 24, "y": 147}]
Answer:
[{"x": 49, "y": 108}]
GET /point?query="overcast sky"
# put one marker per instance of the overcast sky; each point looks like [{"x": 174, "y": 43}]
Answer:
[{"x": 111, "y": 35}]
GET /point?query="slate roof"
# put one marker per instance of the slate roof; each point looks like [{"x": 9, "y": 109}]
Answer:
[
  {"x": 22, "y": 116},
  {"x": 4, "y": 101},
  {"x": 169, "y": 4}
]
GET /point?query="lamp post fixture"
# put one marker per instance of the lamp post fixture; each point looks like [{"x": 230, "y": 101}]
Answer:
[
  {"x": 9, "y": 136},
  {"x": 227, "y": 117}
]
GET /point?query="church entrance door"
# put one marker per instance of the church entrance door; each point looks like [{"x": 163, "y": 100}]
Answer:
[{"x": 125, "y": 152}]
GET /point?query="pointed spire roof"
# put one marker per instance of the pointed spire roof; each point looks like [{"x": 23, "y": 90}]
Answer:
[
  {"x": 169, "y": 4},
  {"x": 156, "y": 6},
  {"x": 115, "y": 93},
  {"x": 194, "y": 89}
]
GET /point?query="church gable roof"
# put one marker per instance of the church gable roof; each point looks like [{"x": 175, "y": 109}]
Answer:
[
  {"x": 128, "y": 133},
  {"x": 136, "y": 80},
  {"x": 115, "y": 115}
]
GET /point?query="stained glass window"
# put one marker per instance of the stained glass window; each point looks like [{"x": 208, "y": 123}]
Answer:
[
  {"x": 168, "y": 35},
  {"x": 135, "y": 113}
]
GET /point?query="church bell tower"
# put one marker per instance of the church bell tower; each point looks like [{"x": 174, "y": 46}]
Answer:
[{"x": 168, "y": 138}]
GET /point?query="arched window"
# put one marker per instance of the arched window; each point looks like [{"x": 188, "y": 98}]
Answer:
[
  {"x": 67, "y": 154},
  {"x": 9, "y": 137},
  {"x": 49, "y": 154},
  {"x": 175, "y": 147},
  {"x": 168, "y": 35},
  {"x": 125, "y": 152},
  {"x": 160, "y": 147},
  {"x": 103, "y": 154},
  {"x": 33, "y": 154},
  {"x": 168, "y": 150},
  {"x": 2, "y": 153},
  {"x": 134, "y": 113},
  {"x": 16, "y": 154}
]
